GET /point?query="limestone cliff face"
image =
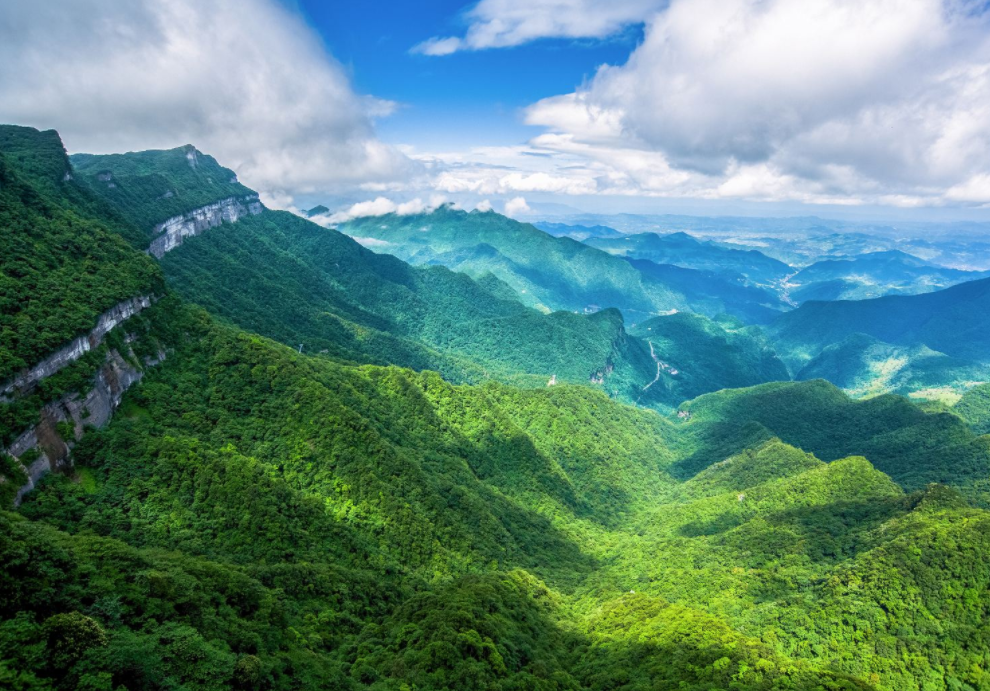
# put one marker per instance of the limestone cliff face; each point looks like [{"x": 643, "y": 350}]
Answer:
[
  {"x": 93, "y": 408},
  {"x": 76, "y": 348},
  {"x": 171, "y": 233},
  {"x": 46, "y": 445}
]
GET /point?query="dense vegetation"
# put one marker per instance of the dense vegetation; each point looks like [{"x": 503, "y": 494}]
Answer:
[
  {"x": 953, "y": 321},
  {"x": 372, "y": 527},
  {"x": 149, "y": 187},
  {"x": 61, "y": 266},
  {"x": 697, "y": 355},
  {"x": 259, "y": 518},
  {"x": 864, "y": 366},
  {"x": 291, "y": 280}
]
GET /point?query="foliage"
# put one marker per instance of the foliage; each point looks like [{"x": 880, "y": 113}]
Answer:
[
  {"x": 259, "y": 518},
  {"x": 59, "y": 267},
  {"x": 148, "y": 187}
]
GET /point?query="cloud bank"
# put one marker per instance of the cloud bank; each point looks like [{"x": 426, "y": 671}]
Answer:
[
  {"x": 823, "y": 100},
  {"x": 246, "y": 81}
]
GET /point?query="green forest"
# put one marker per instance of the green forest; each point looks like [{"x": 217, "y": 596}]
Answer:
[{"x": 349, "y": 472}]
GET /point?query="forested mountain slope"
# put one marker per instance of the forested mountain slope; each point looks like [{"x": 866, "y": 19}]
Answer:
[
  {"x": 953, "y": 321},
  {"x": 554, "y": 273},
  {"x": 255, "y": 517},
  {"x": 61, "y": 264},
  {"x": 289, "y": 279},
  {"x": 149, "y": 187},
  {"x": 385, "y": 516}
]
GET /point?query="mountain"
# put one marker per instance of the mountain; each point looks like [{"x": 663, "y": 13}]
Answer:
[
  {"x": 152, "y": 187},
  {"x": 580, "y": 233},
  {"x": 553, "y": 273},
  {"x": 304, "y": 285},
  {"x": 865, "y": 366},
  {"x": 874, "y": 274},
  {"x": 911, "y": 446},
  {"x": 220, "y": 510},
  {"x": 681, "y": 249},
  {"x": 952, "y": 321},
  {"x": 696, "y": 355},
  {"x": 974, "y": 407},
  {"x": 317, "y": 211}
]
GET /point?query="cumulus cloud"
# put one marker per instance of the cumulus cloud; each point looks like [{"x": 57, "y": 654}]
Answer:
[
  {"x": 504, "y": 23},
  {"x": 244, "y": 80},
  {"x": 516, "y": 206},
  {"x": 381, "y": 206},
  {"x": 835, "y": 101}
]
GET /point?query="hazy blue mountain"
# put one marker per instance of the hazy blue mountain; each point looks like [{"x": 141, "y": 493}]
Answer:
[
  {"x": 560, "y": 230},
  {"x": 555, "y": 273},
  {"x": 874, "y": 274},
  {"x": 681, "y": 249}
]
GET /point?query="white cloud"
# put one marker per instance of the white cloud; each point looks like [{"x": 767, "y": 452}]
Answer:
[
  {"x": 246, "y": 81},
  {"x": 381, "y": 206},
  {"x": 504, "y": 23},
  {"x": 371, "y": 243},
  {"x": 837, "y": 101},
  {"x": 484, "y": 205},
  {"x": 516, "y": 206}
]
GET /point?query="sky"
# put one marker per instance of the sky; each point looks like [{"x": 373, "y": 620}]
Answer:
[{"x": 852, "y": 108}]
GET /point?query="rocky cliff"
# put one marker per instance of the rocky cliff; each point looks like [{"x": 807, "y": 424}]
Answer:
[
  {"x": 47, "y": 445},
  {"x": 76, "y": 348},
  {"x": 172, "y": 232}
]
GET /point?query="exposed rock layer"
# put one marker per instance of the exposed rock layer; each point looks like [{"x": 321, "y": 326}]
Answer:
[
  {"x": 94, "y": 408},
  {"x": 76, "y": 348},
  {"x": 171, "y": 233}
]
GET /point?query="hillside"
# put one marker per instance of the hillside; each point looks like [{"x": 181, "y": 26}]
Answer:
[
  {"x": 863, "y": 366},
  {"x": 284, "y": 277},
  {"x": 391, "y": 484},
  {"x": 681, "y": 249},
  {"x": 952, "y": 321},
  {"x": 150, "y": 187},
  {"x": 554, "y": 273},
  {"x": 696, "y": 355},
  {"x": 249, "y": 512},
  {"x": 580, "y": 233},
  {"x": 913, "y": 447}
]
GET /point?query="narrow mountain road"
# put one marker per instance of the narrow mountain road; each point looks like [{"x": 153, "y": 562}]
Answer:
[{"x": 656, "y": 360}]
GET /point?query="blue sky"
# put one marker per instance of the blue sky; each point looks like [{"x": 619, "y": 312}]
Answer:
[
  {"x": 868, "y": 108},
  {"x": 459, "y": 100}
]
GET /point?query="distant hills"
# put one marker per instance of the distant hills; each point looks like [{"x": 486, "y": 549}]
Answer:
[
  {"x": 560, "y": 230},
  {"x": 554, "y": 273},
  {"x": 871, "y": 275},
  {"x": 681, "y": 249}
]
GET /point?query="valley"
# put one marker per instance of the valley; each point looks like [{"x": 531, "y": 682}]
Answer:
[{"x": 323, "y": 462}]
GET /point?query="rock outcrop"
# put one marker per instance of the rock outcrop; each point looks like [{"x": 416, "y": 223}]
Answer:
[
  {"x": 171, "y": 233},
  {"x": 76, "y": 348},
  {"x": 47, "y": 446}
]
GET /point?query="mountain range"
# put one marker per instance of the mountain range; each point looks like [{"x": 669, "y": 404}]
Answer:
[{"x": 242, "y": 450}]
